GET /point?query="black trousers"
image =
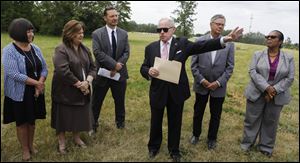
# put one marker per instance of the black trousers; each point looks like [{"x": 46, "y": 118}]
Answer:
[
  {"x": 174, "y": 114},
  {"x": 118, "y": 90},
  {"x": 215, "y": 105}
]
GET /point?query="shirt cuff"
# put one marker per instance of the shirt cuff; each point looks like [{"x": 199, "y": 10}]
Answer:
[
  {"x": 222, "y": 42},
  {"x": 218, "y": 83},
  {"x": 202, "y": 81}
]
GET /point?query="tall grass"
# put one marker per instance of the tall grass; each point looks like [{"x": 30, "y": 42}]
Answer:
[{"x": 130, "y": 144}]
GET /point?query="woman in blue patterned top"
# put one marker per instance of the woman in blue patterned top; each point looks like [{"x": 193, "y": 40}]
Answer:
[{"x": 25, "y": 72}]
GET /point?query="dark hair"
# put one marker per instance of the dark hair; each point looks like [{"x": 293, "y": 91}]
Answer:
[
  {"x": 18, "y": 28},
  {"x": 107, "y": 9},
  {"x": 280, "y": 37}
]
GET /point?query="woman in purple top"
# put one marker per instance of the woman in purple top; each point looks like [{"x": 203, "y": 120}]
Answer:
[{"x": 272, "y": 73}]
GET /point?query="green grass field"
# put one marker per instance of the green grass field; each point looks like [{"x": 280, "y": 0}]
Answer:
[{"x": 130, "y": 144}]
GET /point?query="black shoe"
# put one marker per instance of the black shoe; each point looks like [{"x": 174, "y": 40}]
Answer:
[
  {"x": 194, "y": 140},
  {"x": 175, "y": 157},
  {"x": 266, "y": 153},
  {"x": 95, "y": 126},
  {"x": 94, "y": 129},
  {"x": 152, "y": 154},
  {"x": 211, "y": 144},
  {"x": 120, "y": 125}
]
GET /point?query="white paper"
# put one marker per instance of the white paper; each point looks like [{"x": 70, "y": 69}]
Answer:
[
  {"x": 168, "y": 70},
  {"x": 106, "y": 73}
]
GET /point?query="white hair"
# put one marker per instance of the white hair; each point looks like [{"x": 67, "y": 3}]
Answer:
[
  {"x": 170, "y": 21},
  {"x": 217, "y": 16}
]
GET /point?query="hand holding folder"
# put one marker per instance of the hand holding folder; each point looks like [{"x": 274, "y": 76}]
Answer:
[{"x": 168, "y": 70}]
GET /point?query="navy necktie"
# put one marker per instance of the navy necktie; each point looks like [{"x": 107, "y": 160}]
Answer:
[{"x": 114, "y": 44}]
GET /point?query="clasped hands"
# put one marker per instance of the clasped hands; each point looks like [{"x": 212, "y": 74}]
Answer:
[
  {"x": 39, "y": 88},
  {"x": 270, "y": 93},
  {"x": 118, "y": 67},
  {"x": 83, "y": 86},
  {"x": 212, "y": 86}
]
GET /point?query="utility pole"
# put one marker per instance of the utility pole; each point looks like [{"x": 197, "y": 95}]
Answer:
[{"x": 251, "y": 18}]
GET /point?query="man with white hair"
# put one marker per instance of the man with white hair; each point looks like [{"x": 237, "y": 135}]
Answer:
[
  {"x": 211, "y": 71},
  {"x": 165, "y": 94}
]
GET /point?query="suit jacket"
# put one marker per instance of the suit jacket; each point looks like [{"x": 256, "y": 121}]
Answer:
[
  {"x": 103, "y": 52},
  {"x": 220, "y": 70},
  {"x": 68, "y": 67},
  {"x": 180, "y": 50},
  {"x": 259, "y": 74}
]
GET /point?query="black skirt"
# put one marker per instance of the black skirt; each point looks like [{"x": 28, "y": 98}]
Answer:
[{"x": 26, "y": 111}]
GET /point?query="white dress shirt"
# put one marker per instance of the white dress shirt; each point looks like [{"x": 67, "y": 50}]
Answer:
[{"x": 109, "y": 30}]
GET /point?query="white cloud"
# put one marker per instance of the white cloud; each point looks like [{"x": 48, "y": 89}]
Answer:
[{"x": 267, "y": 15}]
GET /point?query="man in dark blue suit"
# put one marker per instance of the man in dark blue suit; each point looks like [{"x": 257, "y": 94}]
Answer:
[{"x": 165, "y": 94}]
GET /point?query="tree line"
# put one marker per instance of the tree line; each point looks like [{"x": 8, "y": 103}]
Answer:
[{"x": 49, "y": 17}]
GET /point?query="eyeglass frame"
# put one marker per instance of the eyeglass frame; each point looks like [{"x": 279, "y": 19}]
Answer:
[
  {"x": 158, "y": 30},
  {"x": 271, "y": 37},
  {"x": 219, "y": 24}
]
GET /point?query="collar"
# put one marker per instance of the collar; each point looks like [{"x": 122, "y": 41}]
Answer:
[
  {"x": 212, "y": 36},
  {"x": 109, "y": 30},
  {"x": 169, "y": 42}
]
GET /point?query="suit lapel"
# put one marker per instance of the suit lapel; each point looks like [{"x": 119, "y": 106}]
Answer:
[
  {"x": 266, "y": 59},
  {"x": 118, "y": 40},
  {"x": 157, "y": 50},
  {"x": 172, "y": 49},
  {"x": 106, "y": 40},
  {"x": 280, "y": 63},
  {"x": 217, "y": 54}
]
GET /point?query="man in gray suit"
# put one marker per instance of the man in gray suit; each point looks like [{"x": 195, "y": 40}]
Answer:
[
  {"x": 211, "y": 72},
  {"x": 111, "y": 51}
]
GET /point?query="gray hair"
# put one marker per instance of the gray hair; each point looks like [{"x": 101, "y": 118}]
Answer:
[
  {"x": 170, "y": 21},
  {"x": 217, "y": 16}
]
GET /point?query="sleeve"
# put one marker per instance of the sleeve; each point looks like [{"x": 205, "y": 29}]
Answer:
[
  {"x": 126, "y": 52},
  {"x": 229, "y": 67},
  {"x": 286, "y": 82},
  {"x": 259, "y": 81},
  {"x": 195, "y": 69},
  {"x": 62, "y": 67},
  {"x": 10, "y": 64},
  {"x": 146, "y": 64},
  {"x": 92, "y": 67}
]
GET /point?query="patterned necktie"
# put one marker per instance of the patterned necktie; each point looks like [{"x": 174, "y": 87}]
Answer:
[
  {"x": 114, "y": 44},
  {"x": 165, "y": 53}
]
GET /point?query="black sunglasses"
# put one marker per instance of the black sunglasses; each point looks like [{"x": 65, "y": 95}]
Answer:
[
  {"x": 158, "y": 30},
  {"x": 271, "y": 37}
]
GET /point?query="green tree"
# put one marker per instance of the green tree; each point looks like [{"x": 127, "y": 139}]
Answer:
[
  {"x": 253, "y": 38},
  {"x": 123, "y": 7},
  {"x": 17, "y": 9},
  {"x": 57, "y": 13},
  {"x": 288, "y": 43},
  {"x": 184, "y": 20}
]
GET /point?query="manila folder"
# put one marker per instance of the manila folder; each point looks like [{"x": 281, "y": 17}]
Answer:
[{"x": 168, "y": 70}]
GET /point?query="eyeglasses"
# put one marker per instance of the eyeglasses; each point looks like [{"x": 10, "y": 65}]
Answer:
[
  {"x": 271, "y": 37},
  {"x": 219, "y": 24},
  {"x": 158, "y": 30}
]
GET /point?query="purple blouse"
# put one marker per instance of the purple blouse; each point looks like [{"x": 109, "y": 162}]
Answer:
[{"x": 273, "y": 67}]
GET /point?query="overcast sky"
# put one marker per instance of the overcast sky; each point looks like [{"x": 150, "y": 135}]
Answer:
[{"x": 266, "y": 15}]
